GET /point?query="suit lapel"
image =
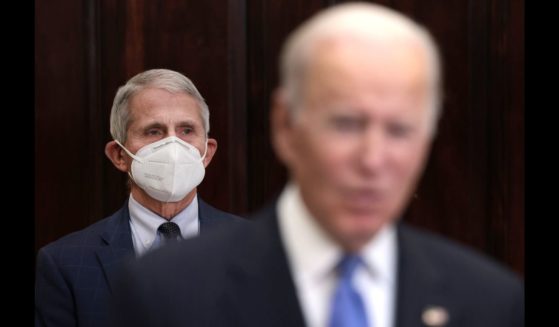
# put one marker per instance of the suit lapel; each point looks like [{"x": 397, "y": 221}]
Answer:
[
  {"x": 261, "y": 281},
  {"x": 210, "y": 217},
  {"x": 206, "y": 215},
  {"x": 117, "y": 238},
  {"x": 420, "y": 285}
]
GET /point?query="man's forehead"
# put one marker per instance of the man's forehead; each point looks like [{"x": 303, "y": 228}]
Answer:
[
  {"x": 341, "y": 63},
  {"x": 165, "y": 115},
  {"x": 339, "y": 50}
]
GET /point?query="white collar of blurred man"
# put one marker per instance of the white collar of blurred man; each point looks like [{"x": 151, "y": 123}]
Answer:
[
  {"x": 353, "y": 119},
  {"x": 313, "y": 257},
  {"x": 159, "y": 115}
]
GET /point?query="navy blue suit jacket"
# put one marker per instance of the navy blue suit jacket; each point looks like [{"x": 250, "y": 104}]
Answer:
[
  {"x": 241, "y": 277},
  {"x": 75, "y": 274}
]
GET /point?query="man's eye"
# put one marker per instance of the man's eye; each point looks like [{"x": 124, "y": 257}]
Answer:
[
  {"x": 153, "y": 132},
  {"x": 399, "y": 131},
  {"x": 187, "y": 131}
]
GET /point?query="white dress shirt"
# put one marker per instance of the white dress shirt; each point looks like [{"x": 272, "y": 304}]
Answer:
[
  {"x": 313, "y": 256},
  {"x": 144, "y": 224}
]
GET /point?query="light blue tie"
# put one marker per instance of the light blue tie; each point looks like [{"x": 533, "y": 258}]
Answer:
[{"x": 347, "y": 308}]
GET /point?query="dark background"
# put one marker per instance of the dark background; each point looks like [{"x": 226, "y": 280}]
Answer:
[{"x": 473, "y": 186}]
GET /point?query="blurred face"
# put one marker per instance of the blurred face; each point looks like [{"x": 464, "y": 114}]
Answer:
[{"x": 359, "y": 141}]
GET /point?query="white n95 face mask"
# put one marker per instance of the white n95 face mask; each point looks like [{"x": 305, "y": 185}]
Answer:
[{"x": 167, "y": 169}]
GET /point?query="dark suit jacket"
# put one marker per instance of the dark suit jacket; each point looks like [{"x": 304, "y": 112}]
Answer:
[
  {"x": 75, "y": 274},
  {"x": 240, "y": 277}
]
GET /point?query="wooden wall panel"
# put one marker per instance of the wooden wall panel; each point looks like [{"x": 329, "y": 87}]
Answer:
[
  {"x": 268, "y": 23},
  {"x": 60, "y": 97}
]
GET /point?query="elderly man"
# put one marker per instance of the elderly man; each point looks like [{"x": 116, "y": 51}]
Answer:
[
  {"x": 353, "y": 120},
  {"x": 160, "y": 125}
]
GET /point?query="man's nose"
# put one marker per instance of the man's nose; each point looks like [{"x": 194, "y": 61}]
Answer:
[{"x": 373, "y": 149}]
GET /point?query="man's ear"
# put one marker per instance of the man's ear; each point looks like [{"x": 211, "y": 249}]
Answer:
[
  {"x": 281, "y": 127},
  {"x": 212, "y": 148},
  {"x": 117, "y": 156}
]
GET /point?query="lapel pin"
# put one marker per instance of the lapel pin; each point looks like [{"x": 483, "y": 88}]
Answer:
[{"x": 435, "y": 316}]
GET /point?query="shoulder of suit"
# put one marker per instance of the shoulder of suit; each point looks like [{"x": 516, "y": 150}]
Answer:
[
  {"x": 463, "y": 261},
  {"x": 217, "y": 213},
  {"x": 85, "y": 237}
]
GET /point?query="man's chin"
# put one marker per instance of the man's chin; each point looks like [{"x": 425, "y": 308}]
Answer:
[
  {"x": 360, "y": 228},
  {"x": 364, "y": 215}
]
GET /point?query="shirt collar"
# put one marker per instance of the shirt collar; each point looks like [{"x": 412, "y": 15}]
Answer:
[
  {"x": 379, "y": 254},
  {"x": 312, "y": 253},
  {"x": 145, "y": 222}
]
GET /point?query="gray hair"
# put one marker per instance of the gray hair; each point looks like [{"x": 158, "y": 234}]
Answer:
[
  {"x": 360, "y": 20},
  {"x": 165, "y": 79}
]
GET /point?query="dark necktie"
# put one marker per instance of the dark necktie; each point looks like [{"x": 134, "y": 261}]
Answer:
[
  {"x": 170, "y": 232},
  {"x": 347, "y": 305}
]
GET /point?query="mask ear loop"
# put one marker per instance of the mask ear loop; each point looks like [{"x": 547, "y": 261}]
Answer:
[
  {"x": 131, "y": 156},
  {"x": 129, "y": 153},
  {"x": 205, "y": 151}
]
